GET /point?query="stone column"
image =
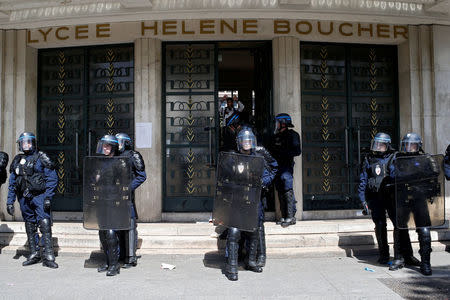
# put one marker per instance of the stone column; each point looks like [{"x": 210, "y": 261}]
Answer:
[
  {"x": 416, "y": 92},
  {"x": 286, "y": 96},
  {"x": 18, "y": 96},
  {"x": 147, "y": 107},
  {"x": 441, "y": 84}
]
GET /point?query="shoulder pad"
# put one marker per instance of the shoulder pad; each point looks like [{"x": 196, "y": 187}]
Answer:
[
  {"x": 3, "y": 159},
  {"x": 46, "y": 161},
  {"x": 15, "y": 162},
  {"x": 138, "y": 161}
]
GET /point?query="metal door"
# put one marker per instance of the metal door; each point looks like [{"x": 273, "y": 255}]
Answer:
[
  {"x": 349, "y": 93},
  {"x": 83, "y": 93},
  {"x": 190, "y": 110}
]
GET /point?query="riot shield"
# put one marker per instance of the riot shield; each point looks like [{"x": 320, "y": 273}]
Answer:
[
  {"x": 238, "y": 190},
  {"x": 107, "y": 193},
  {"x": 419, "y": 191}
]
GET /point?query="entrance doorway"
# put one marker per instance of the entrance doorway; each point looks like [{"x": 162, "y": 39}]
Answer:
[
  {"x": 349, "y": 93},
  {"x": 195, "y": 79},
  {"x": 83, "y": 94}
]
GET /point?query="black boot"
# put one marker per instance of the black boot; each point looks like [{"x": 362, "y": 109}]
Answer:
[
  {"x": 35, "y": 256},
  {"x": 425, "y": 250},
  {"x": 130, "y": 246},
  {"x": 102, "y": 236},
  {"x": 231, "y": 269},
  {"x": 261, "y": 260},
  {"x": 48, "y": 257},
  {"x": 113, "y": 253},
  {"x": 406, "y": 249},
  {"x": 383, "y": 246},
  {"x": 398, "y": 261},
  {"x": 252, "y": 253},
  {"x": 290, "y": 209},
  {"x": 282, "y": 200}
]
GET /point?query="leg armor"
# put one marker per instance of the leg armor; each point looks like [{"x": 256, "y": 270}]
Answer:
[
  {"x": 283, "y": 207},
  {"x": 290, "y": 209},
  {"x": 406, "y": 249},
  {"x": 131, "y": 246},
  {"x": 113, "y": 252},
  {"x": 252, "y": 252},
  {"x": 383, "y": 246},
  {"x": 398, "y": 261},
  {"x": 261, "y": 261},
  {"x": 33, "y": 240},
  {"x": 233, "y": 238},
  {"x": 425, "y": 250},
  {"x": 47, "y": 255},
  {"x": 102, "y": 236}
]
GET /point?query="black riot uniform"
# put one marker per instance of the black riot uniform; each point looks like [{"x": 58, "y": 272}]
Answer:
[
  {"x": 373, "y": 192},
  {"x": 32, "y": 181},
  {"x": 233, "y": 126},
  {"x": 130, "y": 237},
  {"x": 411, "y": 146},
  {"x": 3, "y": 163},
  {"x": 108, "y": 146},
  {"x": 376, "y": 194},
  {"x": 246, "y": 142},
  {"x": 284, "y": 147}
]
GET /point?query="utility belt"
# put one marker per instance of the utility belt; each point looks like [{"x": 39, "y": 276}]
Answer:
[{"x": 30, "y": 186}]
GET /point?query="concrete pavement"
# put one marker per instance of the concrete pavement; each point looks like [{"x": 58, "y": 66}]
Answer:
[{"x": 200, "y": 277}]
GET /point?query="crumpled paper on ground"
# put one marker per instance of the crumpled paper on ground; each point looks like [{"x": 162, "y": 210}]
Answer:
[{"x": 167, "y": 266}]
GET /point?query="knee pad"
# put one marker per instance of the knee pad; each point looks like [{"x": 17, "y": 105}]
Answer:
[{"x": 234, "y": 234}]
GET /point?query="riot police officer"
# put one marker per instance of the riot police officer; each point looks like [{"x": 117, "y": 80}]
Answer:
[
  {"x": 3, "y": 163},
  {"x": 246, "y": 143},
  {"x": 411, "y": 146},
  {"x": 108, "y": 146},
  {"x": 372, "y": 189},
  {"x": 447, "y": 163},
  {"x": 130, "y": 237},
  {"x": 284, "y": 147},
  {"x": 33, "y": 180},
  {"x": 233, "y": 126}
]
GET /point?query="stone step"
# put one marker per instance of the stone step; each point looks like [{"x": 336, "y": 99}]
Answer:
[
  {"x": 211, "y": 242},
  {"x": 328, "y": 251},
  {"x": 206, "y": 229}
]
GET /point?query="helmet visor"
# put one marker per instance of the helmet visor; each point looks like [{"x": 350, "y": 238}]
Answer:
[
  {"x": 378, "y": 146},
  {"x": 247, "y": 142},
  {"x": 106, "y": 147},
  {"x": 27, "y": 143},
  {"x": 409, "y": 147}
]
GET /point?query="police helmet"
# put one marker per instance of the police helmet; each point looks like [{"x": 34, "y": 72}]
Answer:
[
  {"x": 411, "y": 143},
  {"x": 124, "y": 141},
  {"x": 27, "y": 142},
  {"x": 283, "y": 118},
  {"x": 381, "y": 142},
  {"x": 107, "y": 144},
  {"x": 234, "y": 119},
  {"x": 246, "y": 139}
]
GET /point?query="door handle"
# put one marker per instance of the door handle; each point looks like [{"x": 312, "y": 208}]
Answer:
[
  {"x": 346, "y": 147},
  {"x": 76, "y": 149},
  {"x": 210, "y": 128},
  {"x": 358, "y": 134}
]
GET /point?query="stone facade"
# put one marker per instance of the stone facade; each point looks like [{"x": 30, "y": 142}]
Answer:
[{"x": 424, "y": 100}]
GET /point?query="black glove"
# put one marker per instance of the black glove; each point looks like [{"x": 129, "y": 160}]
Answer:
[
  {"x": 365, "y": 210},
  {"x": 47, "y": 204},
  {"x": 10, "y": 209}
]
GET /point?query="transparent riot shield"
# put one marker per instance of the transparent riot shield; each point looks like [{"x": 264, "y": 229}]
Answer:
[
  {"x": 107, "y": 193},
  {"x": 419, "y": 191},
  {"x": 238, "y": 190}
]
